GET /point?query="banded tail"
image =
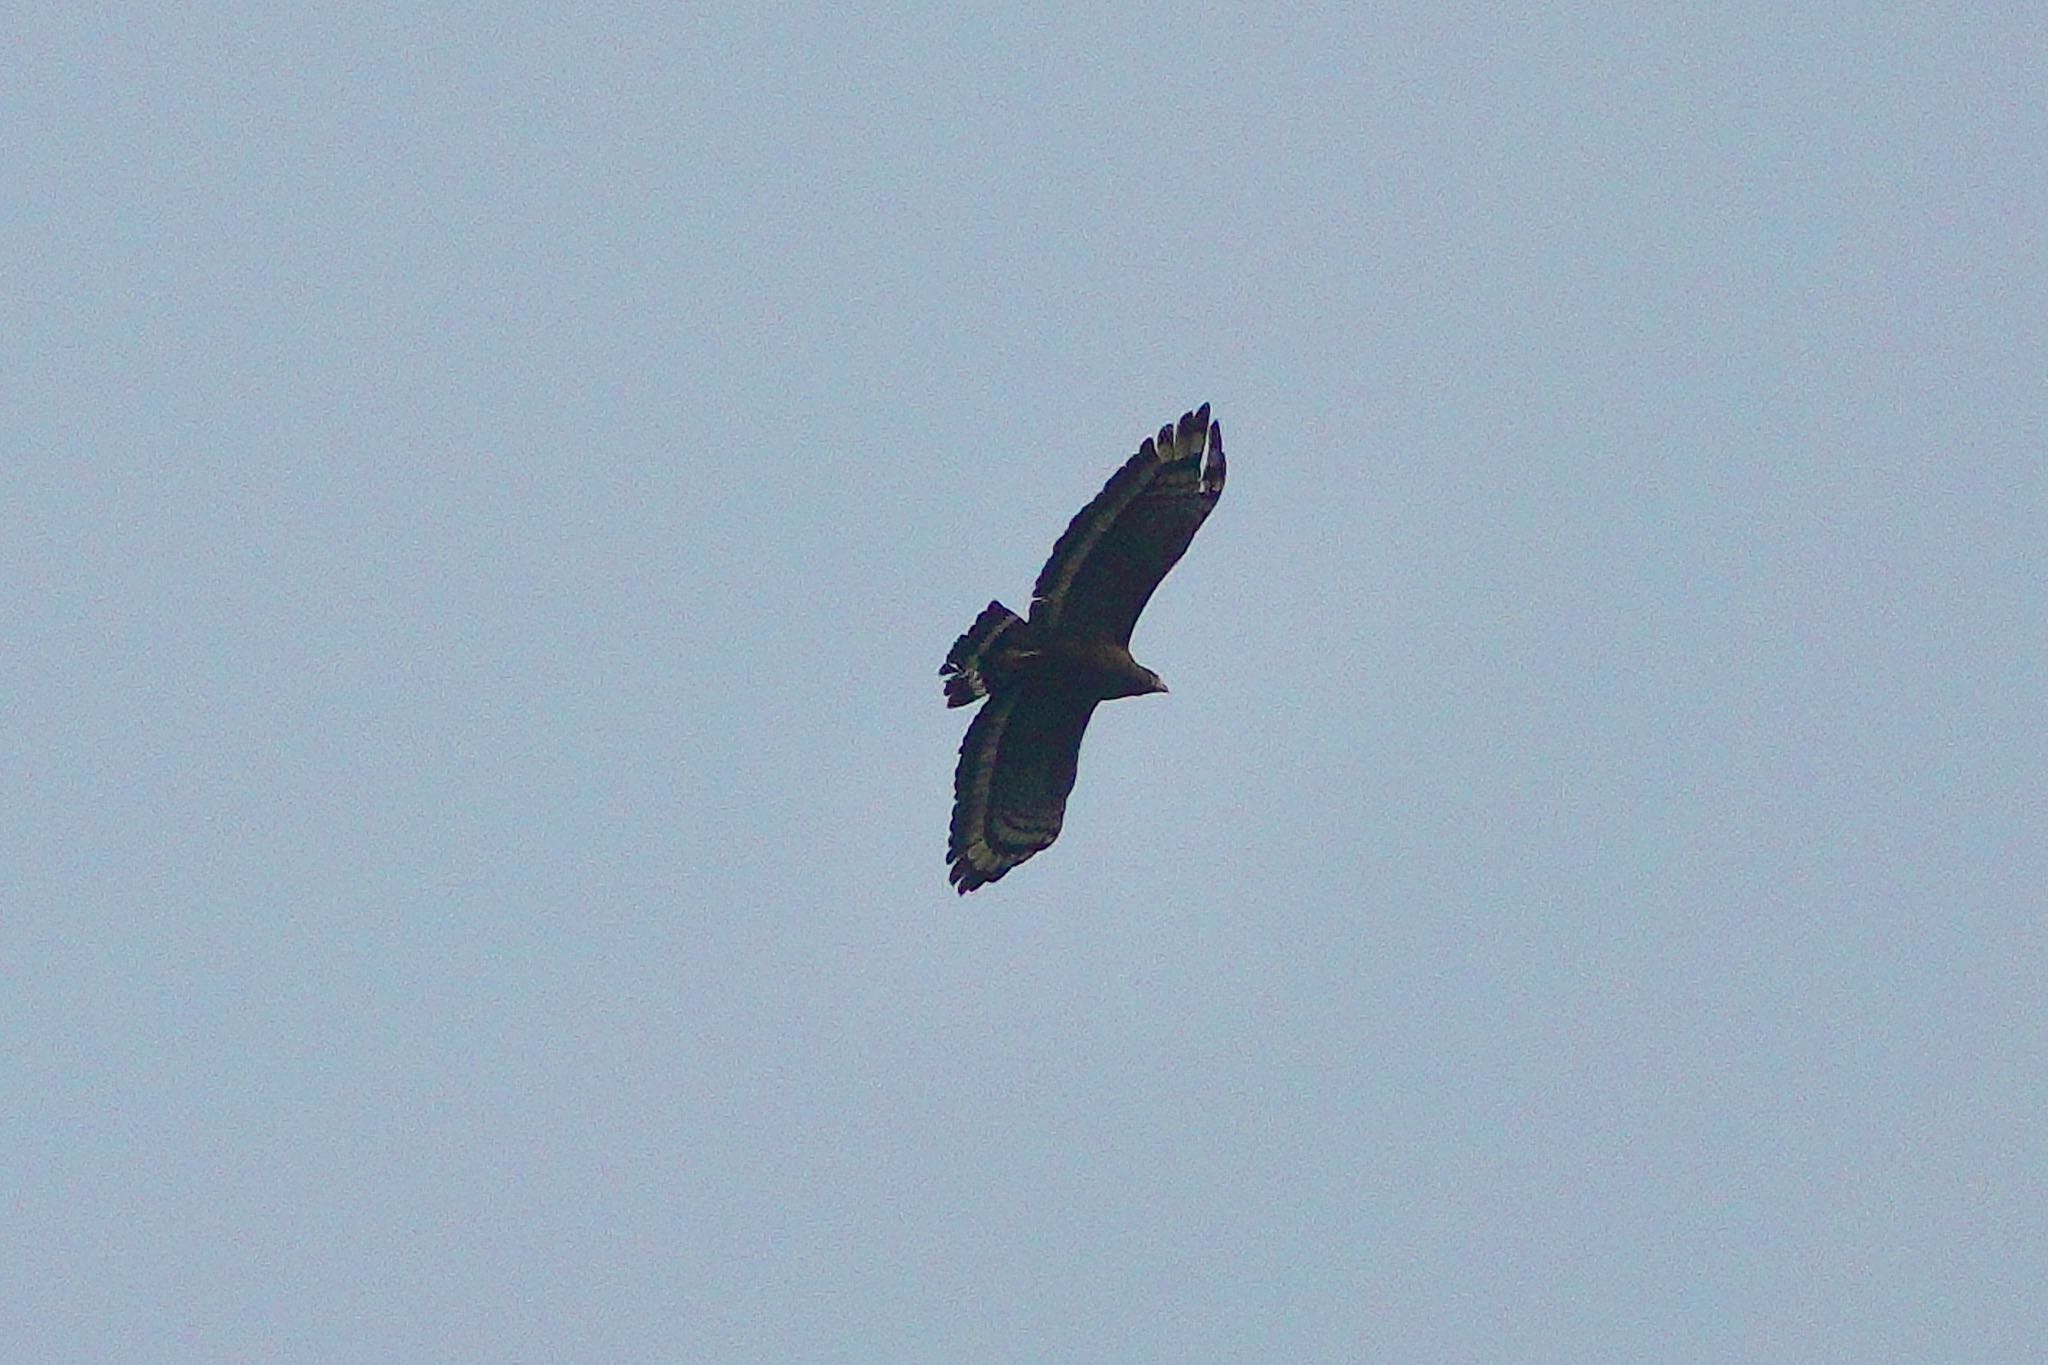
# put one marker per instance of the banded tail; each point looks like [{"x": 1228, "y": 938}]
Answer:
[{"x": 985, "y": 656}]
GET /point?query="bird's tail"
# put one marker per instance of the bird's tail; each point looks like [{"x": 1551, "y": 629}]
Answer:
[{"x": 975, "y": 664}]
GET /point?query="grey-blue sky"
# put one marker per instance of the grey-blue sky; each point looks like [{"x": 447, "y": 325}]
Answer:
[{"x": 487, "y": 492}]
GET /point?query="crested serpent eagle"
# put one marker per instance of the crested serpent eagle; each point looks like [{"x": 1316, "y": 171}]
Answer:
[{"x": 1044, "y": 674}]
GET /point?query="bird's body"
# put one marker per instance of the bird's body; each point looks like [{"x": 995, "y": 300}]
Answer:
[
  {"x": 1101, "y": 669},
  {"x": 1045, "y": 675}
]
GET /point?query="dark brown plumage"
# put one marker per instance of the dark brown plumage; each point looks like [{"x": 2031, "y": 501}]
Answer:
[{"x": 1043, "y": 676}]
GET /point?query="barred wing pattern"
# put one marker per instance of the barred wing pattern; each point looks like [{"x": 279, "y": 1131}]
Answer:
[
  {"x": 1010, "y": 790},
  {"x": 1116, "y": 550}
]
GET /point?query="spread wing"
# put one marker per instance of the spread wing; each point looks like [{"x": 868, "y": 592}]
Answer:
[
  {"x": 1010, "y": 790},
  {"x": 1115, "y": 551}
]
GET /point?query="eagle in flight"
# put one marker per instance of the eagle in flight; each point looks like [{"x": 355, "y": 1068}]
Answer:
[{"x": 1043, "y": 675}]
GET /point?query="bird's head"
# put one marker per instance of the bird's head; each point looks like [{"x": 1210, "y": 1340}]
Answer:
[{"x": 1153, "y": 682}]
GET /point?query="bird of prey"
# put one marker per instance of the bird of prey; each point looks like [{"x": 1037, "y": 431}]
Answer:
[{"x": 1044, "y": 674}]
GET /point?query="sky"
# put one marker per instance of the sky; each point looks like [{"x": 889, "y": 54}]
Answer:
[{"x": 485, "y": 492}]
